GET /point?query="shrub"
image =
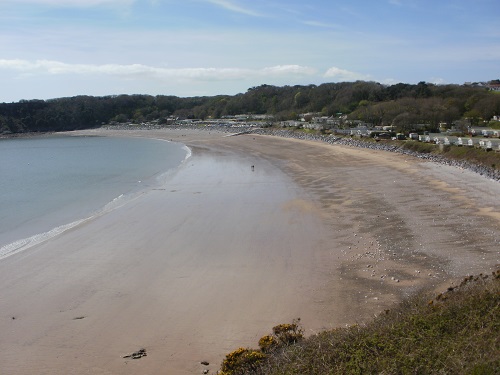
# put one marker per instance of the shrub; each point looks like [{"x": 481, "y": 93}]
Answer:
[
  {"x": 287, "y": 334},
  {"x": 241, "y": 361},
  {"x": 267, "y": 343},
  {"x": 244, "y": 361}
]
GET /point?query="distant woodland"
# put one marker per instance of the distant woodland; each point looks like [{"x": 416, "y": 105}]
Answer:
[{"x": 398, "y": 105}]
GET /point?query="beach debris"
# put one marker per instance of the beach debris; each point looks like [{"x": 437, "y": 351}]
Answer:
[
  {"x": 206, "y": 371},
  {"x": 79, "y": 318},
  {"x": 137, "y": 355},
  {"x": 205, "y": 363}
]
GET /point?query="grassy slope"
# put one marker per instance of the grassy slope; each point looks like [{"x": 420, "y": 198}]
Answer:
[
  {"x": 457, "y": 332},
  {"x": 471, "y": 154}
]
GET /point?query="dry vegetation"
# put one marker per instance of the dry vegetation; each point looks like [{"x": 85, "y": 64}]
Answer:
[{"x": 456, "y": 332}]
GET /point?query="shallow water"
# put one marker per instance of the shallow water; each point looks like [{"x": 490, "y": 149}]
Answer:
[{"x": 50, "y": 184}]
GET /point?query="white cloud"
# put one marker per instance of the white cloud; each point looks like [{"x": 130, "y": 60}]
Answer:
[
  {"x": 345, "y": 75},
  {"x": 233, "y": 7},
  {"x": 288, "y": 70},
  {"x": 135, "y": 70}
]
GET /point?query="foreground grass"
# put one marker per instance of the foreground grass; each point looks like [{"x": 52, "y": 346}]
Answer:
[{"x": 457, "y": 332}]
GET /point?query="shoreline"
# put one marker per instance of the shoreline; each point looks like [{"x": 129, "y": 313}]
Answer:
[
  {"x": 330, "y": 234},
  {"x": 481, "y": 170},
  {"x": 33, "y": 238}
]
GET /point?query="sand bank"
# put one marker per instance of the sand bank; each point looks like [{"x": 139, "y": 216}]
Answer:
[{"x": 222, "y": 253}]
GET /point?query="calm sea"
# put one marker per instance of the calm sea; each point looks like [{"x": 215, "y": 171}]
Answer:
[{"x": 50, "y": 184}]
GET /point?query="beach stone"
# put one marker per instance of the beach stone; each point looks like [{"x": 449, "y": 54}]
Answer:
[{"x": 137, "y": 355}]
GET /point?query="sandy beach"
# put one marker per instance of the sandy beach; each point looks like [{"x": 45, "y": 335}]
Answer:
[{"x": 223, "y": 252}]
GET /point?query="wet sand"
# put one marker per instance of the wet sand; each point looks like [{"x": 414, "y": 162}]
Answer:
[{"x": 222, "y": 253}]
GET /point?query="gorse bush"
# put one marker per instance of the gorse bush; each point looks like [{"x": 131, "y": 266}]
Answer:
[
  {"x": 241, "y": 361},
  {"x": 244, "y": 361},
  {"x": 267, "y": 343},
  {"x": 286, "y": 334}
]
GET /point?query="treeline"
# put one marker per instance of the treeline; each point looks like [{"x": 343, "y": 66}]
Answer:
[
  {"x": 398, "y": 104},
  {"x": 82, "y": 112}
]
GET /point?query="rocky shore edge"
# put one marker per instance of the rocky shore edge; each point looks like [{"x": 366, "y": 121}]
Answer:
[{"x": 485, "y": 171}]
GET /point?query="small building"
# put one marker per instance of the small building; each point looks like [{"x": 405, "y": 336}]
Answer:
[
  {"x": 487, "y": 132},
  {"x": 482, "y": 143},
  {"x": 464, "y": 141},
  {"x": 478, "y": 130},
  {"x": 320, "y": 120},
  {"x": 438, "y": 139},
  {"x": 413, "y": 136},
  {"x": 472, "y": 142},
  {"x": 341, "y": 131},
  {"x": 493, "y": 144},
  {"x": 450, "y": 140},
  {"x": 360, "y": 130},
  {"x": 291, "y": 124},
  {"x": 314, "y": 125},
  {"x": 430, "y": 137},
  {"x": 334, "y": 121}
]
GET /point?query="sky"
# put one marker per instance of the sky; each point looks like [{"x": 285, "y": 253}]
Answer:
[{"x": 61, "y": 48}]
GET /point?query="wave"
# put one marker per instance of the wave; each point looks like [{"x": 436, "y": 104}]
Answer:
[
  {"x": 25, "y": 243},
  {"x": 162, "y": 178},
  {"x": 188, "y": 152}
]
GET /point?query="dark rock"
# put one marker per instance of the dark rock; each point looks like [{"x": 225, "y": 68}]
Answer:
[{"x": 137, "y": 355}]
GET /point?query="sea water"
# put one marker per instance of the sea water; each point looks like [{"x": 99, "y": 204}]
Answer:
[{"x": 51, "y": 184}]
